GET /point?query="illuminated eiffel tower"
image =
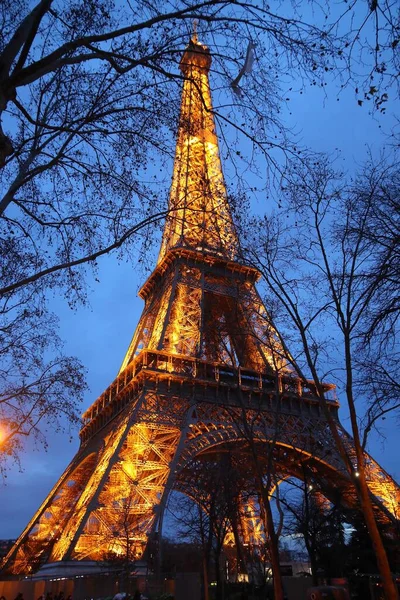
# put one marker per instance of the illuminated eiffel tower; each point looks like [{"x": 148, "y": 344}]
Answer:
[{"x": 203, "y": 352}]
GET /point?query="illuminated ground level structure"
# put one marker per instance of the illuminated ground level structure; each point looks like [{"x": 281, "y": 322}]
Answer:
[{"x": 205, "y": 370}]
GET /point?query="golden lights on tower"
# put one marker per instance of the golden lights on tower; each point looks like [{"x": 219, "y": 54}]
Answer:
[{"x": 199, "y": 216}]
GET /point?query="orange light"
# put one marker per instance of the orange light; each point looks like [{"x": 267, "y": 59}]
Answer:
[{"x": 3, "y": 434}]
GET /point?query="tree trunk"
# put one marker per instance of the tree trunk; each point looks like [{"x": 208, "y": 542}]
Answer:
[
  {"x": 273, "y": 547},
  {"x": 313, "y": 561},
  {"x": 205, "y": 578},
  {"x": 218, "y": 574},
  {"x": 266, "y": 513},
  {"x": 309, "y": 535},
  {"x": 389, "y": 587},
  {"x": 241, "y": 559}
]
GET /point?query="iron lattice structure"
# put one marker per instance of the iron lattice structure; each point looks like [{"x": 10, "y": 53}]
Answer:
[{"x": 204, "y": 357}]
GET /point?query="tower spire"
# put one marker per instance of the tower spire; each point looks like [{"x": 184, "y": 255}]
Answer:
[
  {"x": 194, "y": 35},
  {"x": 199, "y": 217}
]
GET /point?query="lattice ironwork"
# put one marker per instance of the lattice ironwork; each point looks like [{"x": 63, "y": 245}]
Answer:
[
  {"x": 204, "y": 361},
  {"x": 199, "y": 214}
]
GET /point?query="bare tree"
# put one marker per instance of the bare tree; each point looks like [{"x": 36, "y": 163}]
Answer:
[
  {"x": 41, "y": 388},
  {"x": 319, "y": 523},
  {"x": 376, "y": 194},
  {"x": 259, "y": 430},
  {"x": 204, "y": 522},
  {"x": 319, "y": 272},
  {"x": 121, "y": 555},
  {"x": 214, "y": 486}
]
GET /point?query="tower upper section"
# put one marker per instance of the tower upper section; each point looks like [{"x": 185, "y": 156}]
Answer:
[{"x": 199, "y": 217}]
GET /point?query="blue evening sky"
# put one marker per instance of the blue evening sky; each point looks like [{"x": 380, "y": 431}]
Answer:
[{"x": 100, "y": 334}]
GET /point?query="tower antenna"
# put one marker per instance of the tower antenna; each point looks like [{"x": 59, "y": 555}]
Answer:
[{"x": 194, "y": 36}]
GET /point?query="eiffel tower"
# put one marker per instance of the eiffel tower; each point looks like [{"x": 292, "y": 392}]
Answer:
[{"x": 204, "y": 352}]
